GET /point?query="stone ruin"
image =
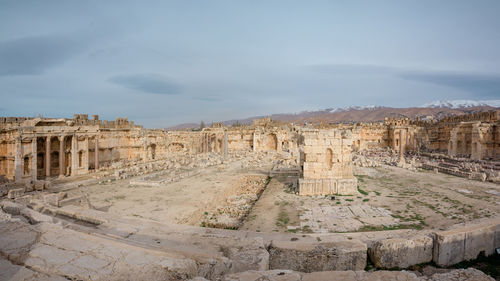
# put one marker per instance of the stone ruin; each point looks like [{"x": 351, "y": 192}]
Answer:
[
  {"x": 38, "y": 153},
  {"x": 327, "y": 164}
]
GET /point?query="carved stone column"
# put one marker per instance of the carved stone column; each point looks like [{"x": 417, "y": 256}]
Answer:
[
  {"x": 34, "y": 159},
  {"x": 47, "y": 157},
  {"x": 62, "y": 166},
  {"x": 74, "y": 156},
  {"x": 401, "y": 145},
  {"x": 225, "y": 144},
  {"x": 18, "y": 161},
  {"x": 86, "y": 158},
  {"x": 96, "y": 154}
]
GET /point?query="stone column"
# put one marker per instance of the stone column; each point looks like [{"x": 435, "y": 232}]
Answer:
[
  {"x": 86, "y": 158},
  {"x": 18, "y": 160},
  {"x": 225, "y": 144},
  {"x": 401, "y": 146},
  {"x": 61, "y": 156},
  {"x": 34, "y": 159},
  {"x": 47, "y": 157},
  {"x": 96, "y": 154},
  {"x": 74, "y": 156},
  {"x": 394, "y": 139},
  {"x": 254, "y": 144},
  {"x": 207, "y": 146}
]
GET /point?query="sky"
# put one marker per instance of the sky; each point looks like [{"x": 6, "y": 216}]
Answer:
[{"x": 162, "y": 63}]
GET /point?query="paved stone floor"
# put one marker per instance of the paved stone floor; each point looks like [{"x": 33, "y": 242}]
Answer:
[{"x": 321, "y": 219}]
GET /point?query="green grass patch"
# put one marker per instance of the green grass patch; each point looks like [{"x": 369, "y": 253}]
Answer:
[{"x": 362, "y": 191}]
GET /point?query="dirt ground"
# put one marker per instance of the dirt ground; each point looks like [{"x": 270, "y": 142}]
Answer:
[
  {"x": 183, "y": 202},
  {"x": 389, "y": 198}
]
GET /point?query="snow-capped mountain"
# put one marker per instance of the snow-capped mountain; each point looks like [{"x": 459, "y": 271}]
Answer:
[
  {"x": 462, "y": 103},
  {"x": 353, "y": 107}
]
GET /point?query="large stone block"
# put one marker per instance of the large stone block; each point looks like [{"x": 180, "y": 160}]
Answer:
[
  {"x": 11, "y": 207},
  {"x": 401, "y": 253},
  {"x": 465, "y": 243},
  {"x": 51, "y": 199},
  {"x": 310, "y": 257},
  {"x": 35, "y": 217},
  {"x": 15, "y": 193}
]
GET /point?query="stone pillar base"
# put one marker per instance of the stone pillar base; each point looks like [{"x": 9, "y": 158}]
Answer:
[{"x": 328, "y": 186}]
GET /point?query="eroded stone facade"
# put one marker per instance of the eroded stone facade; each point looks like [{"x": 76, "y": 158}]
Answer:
[{"x": 327, "y": 163}]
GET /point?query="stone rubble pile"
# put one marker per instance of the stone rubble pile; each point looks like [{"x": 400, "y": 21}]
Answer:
[
  {"x": 236, "y": 207},
  {"x": 482, "y": 170}
]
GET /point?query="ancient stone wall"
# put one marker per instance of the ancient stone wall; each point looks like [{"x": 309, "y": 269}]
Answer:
[{"x": 327, "y": 163}]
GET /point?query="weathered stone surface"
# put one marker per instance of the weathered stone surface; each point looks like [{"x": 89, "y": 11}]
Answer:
[
  {"x": 51, "y": 199},
  {"x": 401, "y": 253},
  {"x": 11, "y": 207},
  {"x": 465, "y": 243},
  {"x": 86, "y": 215},
  {"x": 270, "y": 275},
  {"x": 35, "y": 217},
  {"x": 310, "y": 257},
  {"x": 76, "y": 200},
  {"x": 15, "y": 193},
  {"x": 327, "y": 164},
  {"x": 250, "y": 257},
  {"x": 10, "y": 271},
  {"x": 39, "y": 185},
  {"x": 279, "y": 275},
  {"x": 469, "y": 274}
]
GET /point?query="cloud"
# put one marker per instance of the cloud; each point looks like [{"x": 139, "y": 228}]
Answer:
[
  {"x": 209, "y": 99},
  {"x": 148, "y": 83},
  {"x": 352, "y": 69},
  {"x": 477, "y": 83},
  {"x": 33, "y": 55},
  {"x": 485, "y": 84}
]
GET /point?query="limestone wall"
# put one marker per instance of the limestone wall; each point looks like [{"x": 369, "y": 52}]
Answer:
[{"x": 327, "y": 163}]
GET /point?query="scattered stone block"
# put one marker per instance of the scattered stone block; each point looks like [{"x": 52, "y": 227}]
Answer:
[
  {"x": 310, "y": 257},
  {"x": 11, "y": 207},
  {"x": 15, "y": 193},
  {"x": 51, "y": 199},
  {"x": 401, "y": 253},
  {"x": 29, "y": 186},
  {"x": 39, "y": 185},
  {"x": 465, "y": 243},
  {"x": 76, "y": 200},
  {"x": 35, "y": 217}
]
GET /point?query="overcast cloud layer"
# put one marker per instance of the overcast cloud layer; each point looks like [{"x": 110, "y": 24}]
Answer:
[{"x": 166, "y": 62}]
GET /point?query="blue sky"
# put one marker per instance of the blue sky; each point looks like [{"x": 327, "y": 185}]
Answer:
[{"x": 161, "y": 63}]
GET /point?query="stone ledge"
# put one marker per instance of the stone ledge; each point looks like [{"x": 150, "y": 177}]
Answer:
[{"x": 310, "y": 257}]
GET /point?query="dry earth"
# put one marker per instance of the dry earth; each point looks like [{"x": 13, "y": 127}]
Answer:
[{"x": 390, "y": 198}]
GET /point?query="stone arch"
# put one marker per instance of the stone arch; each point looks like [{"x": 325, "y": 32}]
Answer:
[
  {"x": 329, "y": 158},
  {"x": 271, "y": 142},
  {"x": 152, "y": 151}
]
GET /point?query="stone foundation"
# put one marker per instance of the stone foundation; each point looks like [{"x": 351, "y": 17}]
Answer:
[{"x": 328, "y": 186}]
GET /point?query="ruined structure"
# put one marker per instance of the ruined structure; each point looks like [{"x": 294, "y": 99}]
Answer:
[
  {"x": 326, "y": 161},
  {"x": 83, "y": 227},
  {"x": 39, "y": 148}
]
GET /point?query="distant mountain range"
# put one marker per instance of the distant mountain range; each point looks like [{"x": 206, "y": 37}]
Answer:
[
  {"x": 436, "y": 109},
  {"x": 462, "y": 103}
]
